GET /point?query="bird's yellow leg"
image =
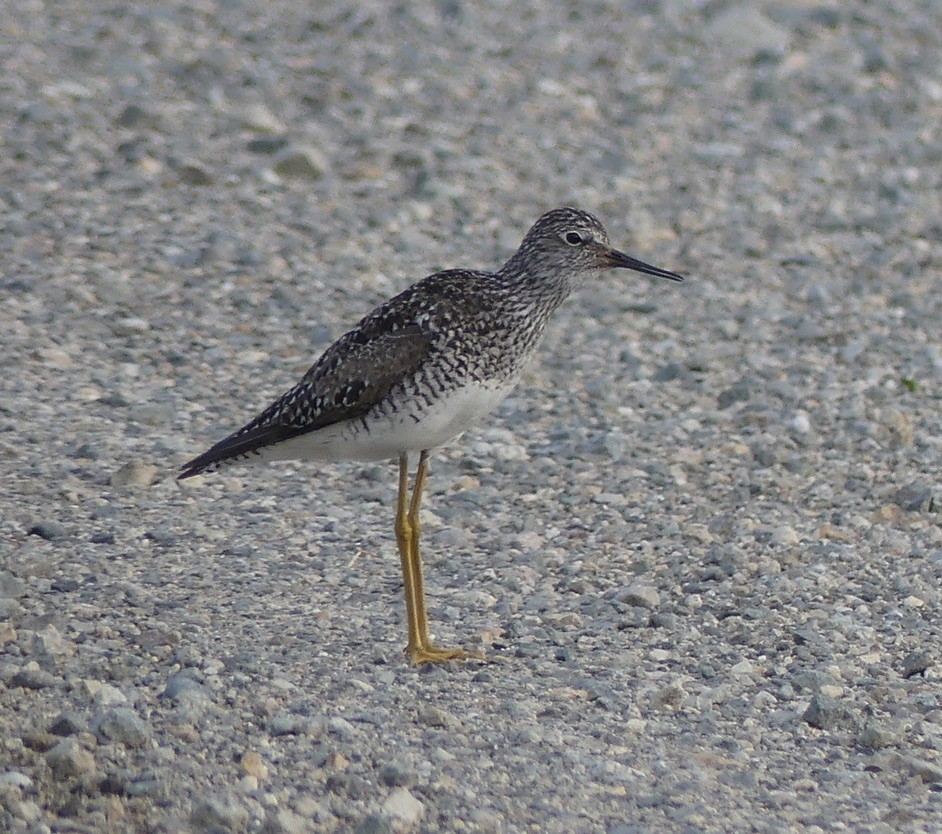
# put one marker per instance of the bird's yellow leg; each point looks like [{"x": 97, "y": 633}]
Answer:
[
  {"x": 427, "y": 651},
  {"x": 404, "y": 542}
]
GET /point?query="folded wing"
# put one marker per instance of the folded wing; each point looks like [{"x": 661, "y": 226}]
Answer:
[{"x": 352, "y": 376}]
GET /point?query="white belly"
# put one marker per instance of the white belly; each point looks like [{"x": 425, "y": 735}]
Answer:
[{"x": 386, "y": 437}]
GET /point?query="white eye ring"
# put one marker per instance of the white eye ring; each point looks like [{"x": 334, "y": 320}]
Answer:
[{"x": 573, "y": 239}]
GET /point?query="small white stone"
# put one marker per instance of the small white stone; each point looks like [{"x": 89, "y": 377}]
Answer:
[
  {"x": 285, "y": 822},
  {"x": 55, "y": 357},
  {"x": 764, "y": 699},
  {"x": 14, "y": 777},
  {"x": 474, "y": 599},
  {"x": 50, "y": 641},
  {"x": 744, "y": 667},
  {"x": 800, "y": 423},
  {"x": 402, "y": 805},
  {"x": 131, "y": 326},
  {"x": 29, "y": 811},
  {"x": 64, "y": 90},
  {"x": 640, "y": 595},
  {"x": 104, "y": 694},
  {"x": 552, "y": 87},
  {"x": 785, "y": 535},
  {"x": 135, "y": 474},
  {"x": 259, "y": 118}
]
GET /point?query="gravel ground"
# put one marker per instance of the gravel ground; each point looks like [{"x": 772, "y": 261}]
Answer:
[{"x": 703, "y": 541}]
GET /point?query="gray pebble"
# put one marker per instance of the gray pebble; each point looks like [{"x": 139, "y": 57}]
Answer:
[
  {"x": 640, "y": 595},
  {"x": 740, "y": 392},
  {"x": 374, "y": 824},
  {"x": 30, "y": 678},
  {"x": 11, "y": 585},
  {"x": 284, "y": 822},
  {"x": 218, "y": 813},
  {"x": 145, "y": 784},
  {"x": 259, "y": 118},
  {"x": 403, "y": 806},
  {"x": 68, "y": 758},
  {"x": 341, "y": 728},
  {"x": 634, "y": 616},
  {"x": 285, "y": 724},
  {"x": 135, "y": 474},
  {"x": 136, "y": 116},
  {"x": 397, "y": 774},
  {"x": 161, "y": 535},
  {"x": 746, "y": 32},
  {"x": 915, "y": 663},
  {"x": 919, "y": 497},
  {"x": 49, "y": 530},
  {"x": 436, "y": 717},
  {"x": 266, "y": 144},
  {"x": 49, "y": 642},
  {"x": 672, "y": 371},
  {"x": 784, "y": 536},
  {"x": 67, "y": 724},
  {"x": 194, "y": 173},
  {"x": 667, "y": 621},
  {"x": 878, "y": 734},
  {"x": 927, "y": 771},
  {"x": 301, "y": 163},
  {"x": 827, "y": 713},
  {"x": 14, "y": 777},
  {"x": 122, "y": 725},
  {"x": 181, "y": 683},
  {"x": 104, "y": 694}
]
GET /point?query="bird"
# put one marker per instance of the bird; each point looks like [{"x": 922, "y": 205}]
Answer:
[{"x": 421, "y": 369}]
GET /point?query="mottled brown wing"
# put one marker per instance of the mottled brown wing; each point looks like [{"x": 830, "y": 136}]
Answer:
[{"x": 352, "y": 376}]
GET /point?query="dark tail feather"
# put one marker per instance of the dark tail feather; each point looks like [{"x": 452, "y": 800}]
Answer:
[{"x": 232, "y": 448}]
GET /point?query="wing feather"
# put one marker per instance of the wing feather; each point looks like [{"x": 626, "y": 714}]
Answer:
[{"x": 352, "y": 376}]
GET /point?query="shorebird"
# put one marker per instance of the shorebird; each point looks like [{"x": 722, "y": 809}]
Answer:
[{"x": 420, "y": 370}]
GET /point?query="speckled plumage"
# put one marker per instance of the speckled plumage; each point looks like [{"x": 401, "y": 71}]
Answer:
[{"x": 424, "y": 366}]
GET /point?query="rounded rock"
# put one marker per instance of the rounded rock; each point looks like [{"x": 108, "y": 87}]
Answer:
[
  {"x": 135, "y": 474},
  {"x": 640, "y": 596},
  {"x": 402, "y": 805},
  {"x": 68, "y": 758},
  {"x": 122, "y": 725}
]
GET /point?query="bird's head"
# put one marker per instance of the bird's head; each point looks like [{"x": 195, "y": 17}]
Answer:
[{"x": 570, "y": 241}]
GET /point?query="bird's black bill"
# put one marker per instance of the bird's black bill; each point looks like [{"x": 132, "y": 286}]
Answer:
[{"x": 620, "y": 260}]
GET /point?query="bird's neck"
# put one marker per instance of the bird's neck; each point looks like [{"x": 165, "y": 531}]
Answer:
[
  {"x": 542, "y": 284},
  {"x": 541, "y": 289}
]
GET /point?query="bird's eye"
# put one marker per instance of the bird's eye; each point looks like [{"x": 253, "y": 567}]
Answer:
[{"x": 573, "y": 238}]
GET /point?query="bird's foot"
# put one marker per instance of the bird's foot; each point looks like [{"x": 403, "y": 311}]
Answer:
[{"x": 434, "y": 654}]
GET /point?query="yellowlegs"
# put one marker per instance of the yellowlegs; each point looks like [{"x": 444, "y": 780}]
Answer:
[{"x": 420, "y": 370}]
